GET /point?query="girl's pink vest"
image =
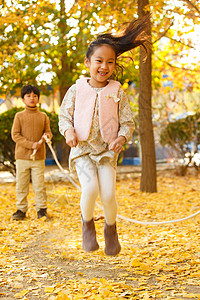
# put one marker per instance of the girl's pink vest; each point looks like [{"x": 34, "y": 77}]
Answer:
[{"x": 108, "y": 110}]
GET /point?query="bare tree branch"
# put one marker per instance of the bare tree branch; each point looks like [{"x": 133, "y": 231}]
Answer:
[
  {"x": 176, "y": 67},
  {"x": 180, "y": 42},
  {"x": 164, "y": 33},
  {"x": 192, "y": 5}
]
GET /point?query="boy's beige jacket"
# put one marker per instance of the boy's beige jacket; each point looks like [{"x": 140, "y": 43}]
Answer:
[{"x": 108, "y": 110}]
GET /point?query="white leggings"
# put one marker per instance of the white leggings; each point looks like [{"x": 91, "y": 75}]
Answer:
[{"x": 96, "y": 179}]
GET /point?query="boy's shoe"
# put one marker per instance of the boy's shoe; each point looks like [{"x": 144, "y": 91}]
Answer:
[
  {"x": 42, "y": 213},
  {"x": 19, "y": 215}
]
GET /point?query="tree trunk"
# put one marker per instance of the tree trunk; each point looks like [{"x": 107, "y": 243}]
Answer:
[
  {"x": 62, "y": 73},
  {"x": 148, "y": 173},
  {"x": 62, "y": 90}
]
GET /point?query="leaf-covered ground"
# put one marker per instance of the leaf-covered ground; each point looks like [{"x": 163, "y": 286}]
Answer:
[{"x": 43, "y": 259}]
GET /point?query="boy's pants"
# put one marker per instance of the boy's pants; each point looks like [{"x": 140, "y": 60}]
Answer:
[
  {"x": 25, "y": 170},
  {"x": 96, "y": 179}
]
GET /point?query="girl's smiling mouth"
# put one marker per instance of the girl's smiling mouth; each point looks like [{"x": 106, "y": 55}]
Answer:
[{"x": 103, "y": 73}]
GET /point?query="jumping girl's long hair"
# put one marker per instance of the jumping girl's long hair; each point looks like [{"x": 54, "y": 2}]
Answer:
[{"x": 131, "y": 37}]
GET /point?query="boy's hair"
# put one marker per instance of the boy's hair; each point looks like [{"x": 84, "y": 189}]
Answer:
[
  {"x": 27, "y": 89},
  {"x": 132, "y": 37}
]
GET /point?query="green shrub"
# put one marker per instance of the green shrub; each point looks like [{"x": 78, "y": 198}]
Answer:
[
  {"x": 180, "y": 135},
  {"x": 7, "y": 146}
]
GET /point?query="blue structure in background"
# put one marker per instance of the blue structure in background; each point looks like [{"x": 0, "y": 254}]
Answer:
[
  {"x": 131, "y": 161},
  {"x": 50, "y": 162},
  {"x": 166, "y": 81},
  {"x": 131, "y": 156},
  {"x": 2, "y": 101}
]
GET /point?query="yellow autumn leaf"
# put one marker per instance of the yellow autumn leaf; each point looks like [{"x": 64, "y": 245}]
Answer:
[
  {"x": 49, "y": 289},
  {"x": 135, "y": 262},
  {"x": 21, "y": 294},
  {"x": 4, "y": 249}
]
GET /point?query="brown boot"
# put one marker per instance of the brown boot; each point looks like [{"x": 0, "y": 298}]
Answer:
[
  {"x": 112, "y": 245},
  {"x": 89, "y": 236}
]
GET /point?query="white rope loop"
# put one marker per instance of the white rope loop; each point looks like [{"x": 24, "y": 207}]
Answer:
[
  {"x": 119, "y": 216},
  {"x": 158, "y": 223}
]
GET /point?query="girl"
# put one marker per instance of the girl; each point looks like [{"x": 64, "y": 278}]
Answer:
[{"x": 96, "y": 120}]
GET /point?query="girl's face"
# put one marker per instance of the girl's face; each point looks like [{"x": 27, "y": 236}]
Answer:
[{"x": 101, "y": 65}]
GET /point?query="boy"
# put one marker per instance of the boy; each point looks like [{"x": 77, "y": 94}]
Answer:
[{"x": 29, "y": 127}]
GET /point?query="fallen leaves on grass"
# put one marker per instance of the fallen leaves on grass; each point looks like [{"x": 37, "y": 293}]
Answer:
[{"x": 44, "y": 260}]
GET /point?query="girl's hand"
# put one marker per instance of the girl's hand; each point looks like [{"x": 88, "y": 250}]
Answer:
[
  {"x": 116, "y": 145},
  {"x": 71, "y": 138}
]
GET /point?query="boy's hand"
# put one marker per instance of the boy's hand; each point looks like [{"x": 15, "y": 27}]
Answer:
[
  {"x": 71, "y": 138},
  {"x": 45, "y": 135},
  {"x": 36, "y": 145},
  {"x": 116, "y": 145}
]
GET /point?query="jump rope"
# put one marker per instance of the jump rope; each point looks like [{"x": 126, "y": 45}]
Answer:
[{"x": 79, "y": 188}]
